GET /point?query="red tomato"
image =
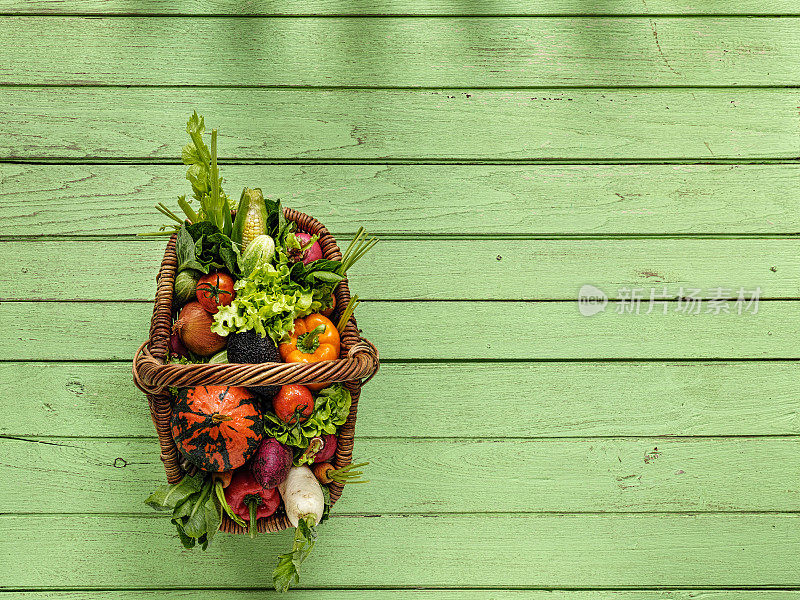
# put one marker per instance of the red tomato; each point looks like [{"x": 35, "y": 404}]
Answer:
[
  {"x": 291, "y": 400},
  {"x": 215, "y": 290},
  {"x": 329, "y": 311}
]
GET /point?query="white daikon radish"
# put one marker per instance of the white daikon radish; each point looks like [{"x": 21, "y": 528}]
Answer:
[{"x": 304, "y": 502}]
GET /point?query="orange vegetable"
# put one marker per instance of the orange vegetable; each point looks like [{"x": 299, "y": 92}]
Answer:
[
  {"x": 314, "y": 339},
  {"x": 224, "y": 477},
  {"x": 326, "y": 473}
]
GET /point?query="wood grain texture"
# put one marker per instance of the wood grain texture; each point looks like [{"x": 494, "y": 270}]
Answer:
[
  {"x": 450, "y": 400},
  {"x": 407, "y": 52},
  {"x": 401, "y": 269},
  {"x": 418, "y": 551},
  {"x": 422, "y": 199},
  {"x": 376, "y": 125},
  {"x": 425, "y": 330},
  {"x": 396, "y": 7},
  {"x": 68, "y": 475}
]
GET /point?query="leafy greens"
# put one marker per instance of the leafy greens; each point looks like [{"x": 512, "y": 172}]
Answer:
[
  {"x": 271, "y": 296},
  {"x": 287, "y": 572},
  {"x": 195, "y": 505},
  {"x": 331, "y": 408},
  {"x": 202, "y": 246}
]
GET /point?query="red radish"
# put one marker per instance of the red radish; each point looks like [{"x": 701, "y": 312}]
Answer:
[
  {"x": 329, "y": 311},
  {"x": 176, "y": 347},
  {"x": 271, "y": 463},
  {"x": 313, "y": 253},
  {"x": 328, "y": 448},
  {"x": 320, "y": 449},
  {"x": 194, "y": 328}
]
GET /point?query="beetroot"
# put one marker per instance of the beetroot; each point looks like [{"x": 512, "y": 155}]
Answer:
[
  {"x": 313, "y": 253},
  {"x": 271, "y": 463}
]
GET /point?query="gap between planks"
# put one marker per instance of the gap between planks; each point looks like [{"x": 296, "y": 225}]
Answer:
[
  {"x": 421, "y": 161},
  {"x": 443, "y": 15},
  {"x": 450, "y": 514},
  {"x": 425, "y": 588},
  {"x": 443, "y": 236},
  {"x": 444, "y": 361},
  {"x": 415, "y": 88}
]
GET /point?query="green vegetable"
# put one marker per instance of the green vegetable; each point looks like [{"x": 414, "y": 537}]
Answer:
[
  {"x": 203, "y": 174},
  {"x": 195, "y": 505},
  {"x": 259, "y": 251},
  {"x": 270, "y": 297},
  {"x": 268, "y": 301},
  {"x": 219, "y": 490},
  {"x": 251, "y": 218},
  {"x": 220, "y": 357},
  {"x": 358, "y": 247},
  {"x": 331, "y": 407},
  {"x": 277, "y": 225},
  {"x": 186, "y": 285},
  {"x": 202, "y": 247},
  {"x": 287, "y": 572}
]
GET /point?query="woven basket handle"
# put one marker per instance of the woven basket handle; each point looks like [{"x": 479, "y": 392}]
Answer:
[{"x": 151, "y": 375}]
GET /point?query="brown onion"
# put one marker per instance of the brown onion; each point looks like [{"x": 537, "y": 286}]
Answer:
[{"x": 194, "y": 328}]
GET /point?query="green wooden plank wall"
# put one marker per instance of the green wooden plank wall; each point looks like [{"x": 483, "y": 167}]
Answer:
[{"x": 508, "y": 153}]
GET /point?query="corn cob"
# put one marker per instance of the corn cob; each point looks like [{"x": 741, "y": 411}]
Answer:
[{"x": 251, "y": 218}]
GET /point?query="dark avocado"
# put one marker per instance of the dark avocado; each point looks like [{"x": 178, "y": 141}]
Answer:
[{"x": 249, "y": 347}]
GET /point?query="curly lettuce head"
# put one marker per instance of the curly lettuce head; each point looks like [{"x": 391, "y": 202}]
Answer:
[{"x": 268, "y": 301}]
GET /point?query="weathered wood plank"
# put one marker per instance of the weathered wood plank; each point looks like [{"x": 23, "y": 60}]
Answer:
[
  {"x": 420, "y": 199},
  {"x": 560, "y": 551},
  {"x": 432, "y": 330},
  {"x": 375, "y": 125},
  {"x": 401, "y": 269},
  {"x": 453, "y": 52},
  {"x": 417, "y": 594},
  {"x": 449, "y": 400},
  {"x": 395, "y": 7},
  {"x": 68, "y": 475}
]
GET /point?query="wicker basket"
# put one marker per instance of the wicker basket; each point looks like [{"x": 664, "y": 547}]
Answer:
[{"x": 358, "y": 360}]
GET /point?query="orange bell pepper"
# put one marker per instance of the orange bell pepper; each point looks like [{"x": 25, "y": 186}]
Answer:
[{"x": 314, "y": 339}]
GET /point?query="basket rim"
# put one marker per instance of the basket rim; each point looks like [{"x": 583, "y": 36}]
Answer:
[{"x": 358, "y": 360}]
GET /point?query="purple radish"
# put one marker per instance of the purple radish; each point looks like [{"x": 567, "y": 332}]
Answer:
[
  {"x": 328, "y": 448},
  {"x": 313, "y": 253},
  {"x": 271, "y": 464}
]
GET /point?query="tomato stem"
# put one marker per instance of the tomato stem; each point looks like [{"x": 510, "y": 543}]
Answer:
[{"x": 212, "y": 291}]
